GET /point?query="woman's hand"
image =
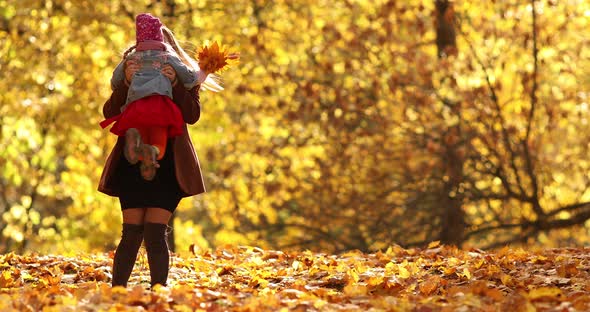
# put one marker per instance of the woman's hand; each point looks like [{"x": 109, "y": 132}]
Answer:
[
  {"x": 169, "y": 72},
  {"x": 130, "y": 68}
]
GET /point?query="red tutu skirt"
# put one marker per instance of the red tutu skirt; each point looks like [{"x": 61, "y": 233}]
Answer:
[{"x": 154, "y": 110}]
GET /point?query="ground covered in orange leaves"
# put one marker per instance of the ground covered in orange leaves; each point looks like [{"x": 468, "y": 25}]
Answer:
[{"x": 438, "y": 278}]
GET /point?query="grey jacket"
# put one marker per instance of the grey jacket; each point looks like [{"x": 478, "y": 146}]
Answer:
[{"x": 149, "y": 80}]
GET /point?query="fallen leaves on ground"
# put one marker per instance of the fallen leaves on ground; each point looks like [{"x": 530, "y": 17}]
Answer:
[{"x": 438, "y": 278}]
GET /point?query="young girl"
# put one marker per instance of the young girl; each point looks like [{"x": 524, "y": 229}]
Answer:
[{"x": 149, "y": 116}]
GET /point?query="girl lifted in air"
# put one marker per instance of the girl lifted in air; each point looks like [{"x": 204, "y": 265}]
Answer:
[{"x": 149, "y": 116}]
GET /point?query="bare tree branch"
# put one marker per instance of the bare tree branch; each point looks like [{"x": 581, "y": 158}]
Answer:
[
  {"x": 495, "y": 101},
  {"x": 526, "y": 141}
]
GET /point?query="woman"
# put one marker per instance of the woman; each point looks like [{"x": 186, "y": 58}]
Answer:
[
  {"x": 148, "y": 205},
  {"x": 150, "y": 117}
]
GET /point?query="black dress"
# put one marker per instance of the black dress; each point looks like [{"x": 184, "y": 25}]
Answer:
[{"x": 162, "y": 192}]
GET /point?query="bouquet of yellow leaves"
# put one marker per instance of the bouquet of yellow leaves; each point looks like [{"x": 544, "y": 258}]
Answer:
[{"x": 214, "y": 58}]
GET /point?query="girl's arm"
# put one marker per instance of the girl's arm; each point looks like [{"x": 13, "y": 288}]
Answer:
[
  {"x": 185, "y": 75},
  {"x": 187, "y": 100}
]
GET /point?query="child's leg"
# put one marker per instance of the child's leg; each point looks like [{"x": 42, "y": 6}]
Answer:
[
  {"x": 145, "y": 138},
  {"x": 158, "y": 138},
  {"x": 153, "y": 149},
  {"x": 132, "y": 144},
  {"x": 145, "y": 134}
]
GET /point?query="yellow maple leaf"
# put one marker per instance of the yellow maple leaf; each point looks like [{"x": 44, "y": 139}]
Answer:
[
  {"x": 429, "y": 286},
  {"x": 545, "y": 292},
  {"x": 354, "y": 290},
  {"x": 404, "y": 273},
  {"x": 6, "y": 279},
  {"x": 467, "y": 273},
  {"x": 215, "y": 58},
  {"x": 354, "y": 275},
  {"x": 433, "y": 244},
  {"x": 449, "y": 270},
  {"x": 375, "y": 280}
]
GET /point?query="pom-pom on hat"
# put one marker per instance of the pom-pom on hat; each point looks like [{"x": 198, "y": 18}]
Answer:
[{"x": 148, "y": 27}]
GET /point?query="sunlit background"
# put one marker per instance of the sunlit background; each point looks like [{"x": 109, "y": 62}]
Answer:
[{"x": 348, "y": 124}]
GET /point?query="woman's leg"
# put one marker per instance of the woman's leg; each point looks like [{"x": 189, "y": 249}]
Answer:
[
  {"x": 126, "y": 252},
  {"x": 134, "y": 215},
  {"x": 156, "y": 224}
]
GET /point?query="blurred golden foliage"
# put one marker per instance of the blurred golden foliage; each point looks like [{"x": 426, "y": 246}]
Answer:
[{"x": 346, "y": 125}]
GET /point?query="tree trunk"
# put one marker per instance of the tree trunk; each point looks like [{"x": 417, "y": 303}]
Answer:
[
  {"x": 452, "y": 215},
  {"x": 446, "y": 42}
]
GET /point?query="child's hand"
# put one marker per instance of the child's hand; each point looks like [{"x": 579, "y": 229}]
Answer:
[{"x": 130, "y": 68}]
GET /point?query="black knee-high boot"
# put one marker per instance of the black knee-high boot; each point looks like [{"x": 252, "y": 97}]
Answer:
[
  {"x": 126, "y": 253},
  {"x": 157, "y": 252}
]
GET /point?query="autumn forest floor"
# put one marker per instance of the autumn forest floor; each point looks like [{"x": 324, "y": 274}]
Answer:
[{"x": 439, "y": 278}]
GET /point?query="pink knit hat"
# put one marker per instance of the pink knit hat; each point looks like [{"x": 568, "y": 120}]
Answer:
[{"x": 148, "y": 27}]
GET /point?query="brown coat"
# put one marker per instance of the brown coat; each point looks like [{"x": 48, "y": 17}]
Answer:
[{"x": 188, "y": 170}]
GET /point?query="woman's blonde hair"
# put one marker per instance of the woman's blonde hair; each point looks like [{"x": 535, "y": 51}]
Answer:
[
  {"x": 129, "y": 50},
  {"x": 212, "y": 81}
]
